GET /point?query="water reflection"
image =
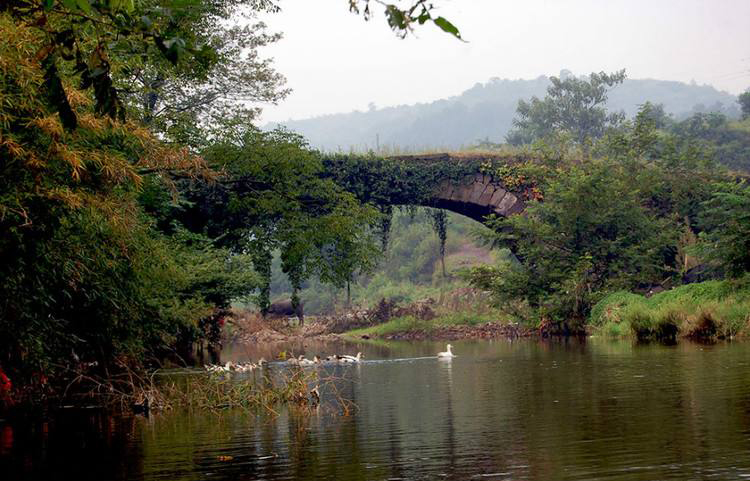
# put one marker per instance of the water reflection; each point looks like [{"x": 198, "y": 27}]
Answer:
[{"x": 501, "y": 410}]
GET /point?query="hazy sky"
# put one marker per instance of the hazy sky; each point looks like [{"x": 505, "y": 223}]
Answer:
[{"x": 336, "y": 62}]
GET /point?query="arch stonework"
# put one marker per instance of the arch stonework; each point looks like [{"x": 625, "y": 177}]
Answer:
[
  {"x": 476, "y": 197},
  {"x": 477, "y": 194}
]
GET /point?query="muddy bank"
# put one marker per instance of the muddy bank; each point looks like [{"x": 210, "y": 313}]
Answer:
[
  {"x": 439, "y": 333},
  {"x": 251, "y": 328},
  {"x": 491, "y": 330}
]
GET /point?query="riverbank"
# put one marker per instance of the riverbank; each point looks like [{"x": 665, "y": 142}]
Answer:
[
  {"x": 444, "y": 328},
  {"x": 422, "y": 320},
  {"x": 702, "y": 311}
]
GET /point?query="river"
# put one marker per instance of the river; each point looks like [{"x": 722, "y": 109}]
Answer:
[{"x": 522, "y": 410}]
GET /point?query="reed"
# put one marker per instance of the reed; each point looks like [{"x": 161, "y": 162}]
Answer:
[{"x": 262, "y": 391}]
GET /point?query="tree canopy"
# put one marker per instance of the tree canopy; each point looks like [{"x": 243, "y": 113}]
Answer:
[
  {"x": 744, "y": 101},
  {"x": 121, "y": 125},
  {"x": 573, "y": 106}
]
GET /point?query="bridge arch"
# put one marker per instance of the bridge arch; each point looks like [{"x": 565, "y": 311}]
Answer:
[
  {"x": 463, "y": 183},
  {"x": 476, "y": 197}
]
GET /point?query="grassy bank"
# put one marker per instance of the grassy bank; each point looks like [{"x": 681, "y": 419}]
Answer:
[{"x": 706, "y": 310}]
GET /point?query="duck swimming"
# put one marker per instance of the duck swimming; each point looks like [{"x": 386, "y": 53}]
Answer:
[
  {"x": 446, "y": 354},
  {"x": 307, "y": 362},
  {"x": 347, "y": 358}
]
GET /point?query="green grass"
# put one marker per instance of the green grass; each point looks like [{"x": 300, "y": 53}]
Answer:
[
  {"x": 411, "y": 324},
  {"x": 705, "y": 310}
]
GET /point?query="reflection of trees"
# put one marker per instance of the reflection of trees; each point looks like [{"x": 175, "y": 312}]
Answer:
[
  {"x": 680, "y": 412},
  {"x": 76, "y": 444}
]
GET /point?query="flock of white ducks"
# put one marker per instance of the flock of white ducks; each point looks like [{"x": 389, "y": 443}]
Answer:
[
  {"x": 337, "y": 358},
  {"x": 236, "y": 366},
  {"x": 302, "y": 361}
]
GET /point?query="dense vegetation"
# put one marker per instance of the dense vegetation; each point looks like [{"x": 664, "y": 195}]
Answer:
[
  {"x": 627, "y": 205},
  {"x": 137, "y": 200}
]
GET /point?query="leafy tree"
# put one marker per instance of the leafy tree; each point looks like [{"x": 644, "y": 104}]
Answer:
[
  {"x": 192, "y": 96},
  {"x": 345, "y": 256},
  {"x": 273, "y": 195},
  {"x": 183, "y": 65},
  {"x": 727, "y": 142},
  {"x": 85, "y": 273},
  {"x": 592, "y": 232},
  {"x": 440, "y": 224},
  {"x": 725, "y": 219},
  {"x": 615, "y": 221},
  {"x": 744, "y": 101},
  {"x": 573, "y": 106}
]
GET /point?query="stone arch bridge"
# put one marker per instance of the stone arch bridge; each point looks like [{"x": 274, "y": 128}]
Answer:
[{"x": 468, "y": 184}]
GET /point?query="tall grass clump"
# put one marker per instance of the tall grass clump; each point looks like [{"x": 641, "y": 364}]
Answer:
[
  {"x": 262, "y": 391},
  {"x": 702, "y": 311}
]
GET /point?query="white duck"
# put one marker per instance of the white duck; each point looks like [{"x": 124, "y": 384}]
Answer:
[
  {"x": 307, "y": 362},
  {"x": 446, "y": 354},
  {"x": 347, "y": 358},
  {"x": 246, "y": 367},
  {"x": 294, "y": 361}
]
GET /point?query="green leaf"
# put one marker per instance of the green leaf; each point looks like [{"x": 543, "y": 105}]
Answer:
[
  {"x": 48, "y": 4},
  {"x": 56, "y": 93},
  {"x": 396, "y": 18},
  {"x": 448, "y": 27},
  {"x": 84, "y": 5},
  {"x": 70, "y": 4},
  {"x": 145, "y": 23}
]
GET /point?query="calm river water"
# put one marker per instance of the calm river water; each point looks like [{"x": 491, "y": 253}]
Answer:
[{"x": 501, "y": 410}]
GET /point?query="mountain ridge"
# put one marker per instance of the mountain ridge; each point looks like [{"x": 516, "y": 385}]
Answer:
[{"x": 485, "y": 112}]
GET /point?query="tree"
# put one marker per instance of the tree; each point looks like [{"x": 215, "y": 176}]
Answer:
[
  {"x": 346, "y": 255},
  {"x": 86, "y": 273},
  {"x": 273, "y": 195},
  {"x": 616, "y": 221},
  {"x": 573, "y": 106},
  {"x": 592, "y": 232},
  {"x": 744, "y": 101},
  {"x": 192, "y": 96},
  {"x": 183, "y": 67},
  {"x": 725, "y": 219}
]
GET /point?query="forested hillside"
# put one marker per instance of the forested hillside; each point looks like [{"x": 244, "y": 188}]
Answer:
[{"x": 485, "y": 112}]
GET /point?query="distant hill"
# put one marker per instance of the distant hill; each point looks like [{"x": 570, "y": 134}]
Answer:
[{"x": 486, "y": 111}]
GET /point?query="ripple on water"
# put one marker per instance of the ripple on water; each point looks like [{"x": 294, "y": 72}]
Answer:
[{"x": 523, "y": 410}]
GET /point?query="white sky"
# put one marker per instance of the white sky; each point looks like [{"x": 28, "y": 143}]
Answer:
[{"x": 336, "y": 62}]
